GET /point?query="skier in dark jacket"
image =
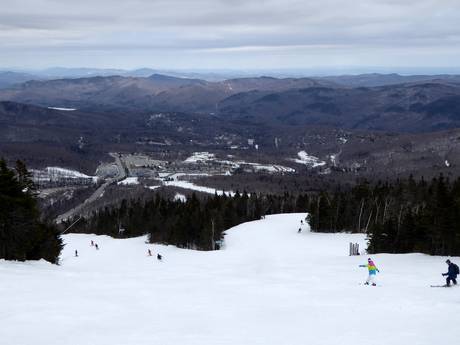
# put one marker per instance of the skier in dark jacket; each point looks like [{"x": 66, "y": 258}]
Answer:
[{"x": 452, "y": 273}]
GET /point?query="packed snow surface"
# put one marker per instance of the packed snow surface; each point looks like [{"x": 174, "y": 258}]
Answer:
[{"x": 268, "y": 285}]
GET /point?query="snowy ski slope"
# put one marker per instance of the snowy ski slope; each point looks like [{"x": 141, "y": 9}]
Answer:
[{"x": 269, "y": 285}]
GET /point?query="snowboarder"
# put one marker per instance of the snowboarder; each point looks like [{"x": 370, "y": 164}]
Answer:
[
  {"x": 159, "y": 257},
  {"x": 452, "y": 273},
  {"x": 372, "y": 272},
  {"x": 149, "y": 252},
  {"x": 97, "y": 247},
  {"x": 76, "y": 253}
]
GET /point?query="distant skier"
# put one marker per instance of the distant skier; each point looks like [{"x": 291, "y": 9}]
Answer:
[
  {"x": 92, "y": 243},
  {"x": 159, "y": 257},
  {"x": 299, "y": 231},
  {"x": 452, "y": 273},
  {"x": 97, "y": 247},
  {"x": 149, "y": 252},
  {"x": 372, "y": 272},
  {"x": 76, "y": 253}
]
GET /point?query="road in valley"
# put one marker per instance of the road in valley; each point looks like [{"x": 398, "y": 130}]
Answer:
[{"x": 98, "y": 193}]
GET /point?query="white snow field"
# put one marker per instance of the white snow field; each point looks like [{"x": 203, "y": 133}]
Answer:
[{"x": 269, "y": 285}]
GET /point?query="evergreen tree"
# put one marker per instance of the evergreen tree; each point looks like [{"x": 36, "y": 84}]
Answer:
[{"x": 22, "y": 235}]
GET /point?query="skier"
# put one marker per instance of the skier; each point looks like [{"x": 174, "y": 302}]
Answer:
[
  {"x": 97, "y": 247},
  {"x": 452, "y": 273},
  {"x": 159, "y": 257},
  {"x": 299, "y": 231},
  {"x": 149, "y": 252},
  {"x": 92, "y": 243},
  {"x": 372, "y": 272},
  {"x": 76, "y": 253}
]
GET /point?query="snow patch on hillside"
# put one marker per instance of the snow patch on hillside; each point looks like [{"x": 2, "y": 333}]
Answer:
[
  {"x": 206, "y": 157},
  {"x": 56, "y": 173},
  {"x": 192, "y": 186},
  {"x": 66, "y": 172},
  {"x": 200, "y": 157},
  {"x": 62, "y": 109},
  {"x": 308, "y": 160},
  {"x": 180, "y": 197},
  {"x": 129, "y": 181}
]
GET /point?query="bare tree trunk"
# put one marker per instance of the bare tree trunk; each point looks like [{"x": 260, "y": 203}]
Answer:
[
  {"x": 336, "y": 215},
  {"x": 369, "y": 220},
  {"x": 387, "y": 203},
  {"x": 399, "y": 217},
  {"x": 377, "y": 212},
  {"x": 317, "y": 212},
  {"x": 213, "y": 244},
  {"x": 360, "y": 214}
]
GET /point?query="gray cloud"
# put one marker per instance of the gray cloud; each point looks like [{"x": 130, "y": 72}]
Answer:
[{"x": 231, "y": 33}]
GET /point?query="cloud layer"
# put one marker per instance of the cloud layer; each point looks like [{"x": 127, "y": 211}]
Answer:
[{"x": 229, "y": 33}]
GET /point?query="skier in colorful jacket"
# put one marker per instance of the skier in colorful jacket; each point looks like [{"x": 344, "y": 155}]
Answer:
[{"x": 372, "y": 272}]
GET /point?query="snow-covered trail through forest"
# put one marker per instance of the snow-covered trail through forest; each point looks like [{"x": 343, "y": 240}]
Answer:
[{"x": 269, "y": 285}]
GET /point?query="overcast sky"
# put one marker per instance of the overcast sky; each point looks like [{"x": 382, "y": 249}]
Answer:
[{"x": 233, "y": 34}]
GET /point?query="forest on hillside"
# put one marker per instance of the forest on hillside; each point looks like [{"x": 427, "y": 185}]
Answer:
[
  {"x": 197, "y": 223},
  {"x": 401, "y": 216}
]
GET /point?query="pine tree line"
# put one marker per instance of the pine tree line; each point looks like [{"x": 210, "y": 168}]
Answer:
[
  {"x": 23, "y": 236},
  {"x": 399, "y": 217},
  {"x": 197, "y": 223}
]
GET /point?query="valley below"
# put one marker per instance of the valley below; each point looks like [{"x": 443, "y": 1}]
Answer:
[{"x": 137, "y": 136}]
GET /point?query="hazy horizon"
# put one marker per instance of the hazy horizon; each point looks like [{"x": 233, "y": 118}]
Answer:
[
  {"x": 294, "y": 72},
  {"x": 231, "y": 34}
]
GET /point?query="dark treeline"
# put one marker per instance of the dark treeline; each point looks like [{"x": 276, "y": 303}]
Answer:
[
  {"x": 196, "y": 223},
  {"x": 23, "y": 236},
  {"x": 399, "y": 217}
]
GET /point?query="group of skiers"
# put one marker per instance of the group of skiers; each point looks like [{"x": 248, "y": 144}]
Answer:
[
  {"x": 159, "y": 256},
  {"x": 301, "y": 226},
  {"x": 95, "y": 245},
  {"x": 451, "y": 274}
]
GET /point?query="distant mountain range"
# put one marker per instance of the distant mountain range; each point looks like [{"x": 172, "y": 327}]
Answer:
[
  {"x": 12, "y": 77},
  {"x": 411, "y": 126},
  {"x": 413, "y": 106}
]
